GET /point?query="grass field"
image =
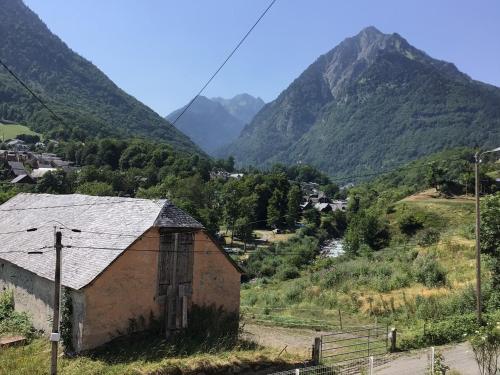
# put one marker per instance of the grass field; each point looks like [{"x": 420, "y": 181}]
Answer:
[
  {"x": 11, "y": 131},
  {"x": 145, "y": 355}
]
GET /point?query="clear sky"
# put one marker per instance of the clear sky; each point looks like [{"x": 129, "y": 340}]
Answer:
[{"x": 162, "y": 51}]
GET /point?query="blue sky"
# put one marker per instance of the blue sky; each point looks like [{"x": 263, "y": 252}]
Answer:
[{"x": 162, "y": 51}]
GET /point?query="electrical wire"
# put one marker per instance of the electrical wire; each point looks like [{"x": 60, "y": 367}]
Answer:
[
  {"x": 20, "y": 81},
  {"x": 225, "y": 61}
]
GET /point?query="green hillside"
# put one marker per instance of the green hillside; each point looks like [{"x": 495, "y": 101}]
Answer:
[
  {"x": 88, "y": 101},
  {"x": 371, "y": 103},
  {"x": 9, "y": 131}
]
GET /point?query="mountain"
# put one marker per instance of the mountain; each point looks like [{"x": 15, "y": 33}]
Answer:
[
  {"x": 90, "y": 104},
  {"x": 371, "y": 103},
  {"x": 243, "y": 106},
  {"x": 212, "y": 123}
]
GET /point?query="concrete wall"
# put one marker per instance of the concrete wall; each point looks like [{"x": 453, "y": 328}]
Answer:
[
  {"x": 35, "y": 296},
  {"x": 126, "y": 290},
  {"x": 215, "y": 280}
]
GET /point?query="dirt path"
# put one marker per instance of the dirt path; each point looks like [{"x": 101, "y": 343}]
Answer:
[{"x": 296, "y": 340}]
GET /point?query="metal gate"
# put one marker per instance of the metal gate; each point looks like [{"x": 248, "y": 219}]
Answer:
[{"x": 353, "y": 344}]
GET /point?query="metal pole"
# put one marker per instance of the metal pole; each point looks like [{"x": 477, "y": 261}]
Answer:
[
  {"x": 371, "y": 365},
  {"x": 54, "y": 337},
  {"x": 478, "y": 245}
]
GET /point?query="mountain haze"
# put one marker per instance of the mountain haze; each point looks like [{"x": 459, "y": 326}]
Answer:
[
  {"x": 374, "y": 101},
  {"x": 88, "y": 101},
  {"x": 213, "y": 123}
]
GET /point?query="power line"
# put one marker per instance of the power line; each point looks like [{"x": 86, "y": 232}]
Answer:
[
  {"x": 31, "y": 92},
  {"x": 225, "y": 61}
]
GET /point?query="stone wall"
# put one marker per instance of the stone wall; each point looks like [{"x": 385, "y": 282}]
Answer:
[{"x": 35, "y": 296}]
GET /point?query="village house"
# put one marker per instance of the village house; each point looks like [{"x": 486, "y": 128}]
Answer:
[{"x": 123, "y": 260}]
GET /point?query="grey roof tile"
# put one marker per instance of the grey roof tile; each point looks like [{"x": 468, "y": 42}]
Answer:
[{"x": 105, "y": 222}]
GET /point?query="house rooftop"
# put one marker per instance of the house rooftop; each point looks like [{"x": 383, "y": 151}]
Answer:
[{"x": 108, "y": 225}]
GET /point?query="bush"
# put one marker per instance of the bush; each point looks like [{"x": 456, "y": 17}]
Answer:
[
  {"x": 454, "y": 329},
  {"x": 486, "y": 346},
  {"x": 427, "y": 237},
  {"x": 429, "y": 272},
  {"x": 287, "y": 272},
  {"x": 12, "y": 322},
  {"x": 409, "y": 223}
]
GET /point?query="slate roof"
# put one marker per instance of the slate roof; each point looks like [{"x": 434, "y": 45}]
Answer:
[
  {"x": 105, "y": 222},
  {"x": 17, "y": 168}
]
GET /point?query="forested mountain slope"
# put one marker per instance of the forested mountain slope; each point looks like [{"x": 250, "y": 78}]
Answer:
[
  {"x": 88, "y": 101},
  {"x": 212, "y": 123},
  {"x": 372, "y": 102}
]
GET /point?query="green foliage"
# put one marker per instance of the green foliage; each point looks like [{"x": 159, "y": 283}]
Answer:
[
  {"x": 452, "y": 329},
  {"x": 429, "y": 272},
  {"x": 11, "y": 321},
  {"x": 490, "y": 234},
  {"x": 486, "y": 346},
  {"x": 66, "y": 326},
  {"x": 427, "y": 237},
  {"x": 409, "y": 223},
  {"x": 95, "y": 188}
]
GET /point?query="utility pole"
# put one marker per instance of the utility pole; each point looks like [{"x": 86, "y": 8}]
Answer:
[
  {"x": 54, "y": 337},
  {"x": 478, "y": 246}
]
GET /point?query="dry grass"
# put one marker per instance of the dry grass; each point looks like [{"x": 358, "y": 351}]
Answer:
[{"x": 34, "y": 359}]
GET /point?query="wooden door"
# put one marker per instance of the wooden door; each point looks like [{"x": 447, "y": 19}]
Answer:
[{"x": 175, "y": 279}]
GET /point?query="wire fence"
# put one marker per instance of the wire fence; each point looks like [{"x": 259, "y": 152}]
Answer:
[{"x": 358, "y": 366}]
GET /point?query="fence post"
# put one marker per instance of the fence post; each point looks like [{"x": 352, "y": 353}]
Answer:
[
  {"x": 432, "y": 359},
  {"x": 393, "y": 339},
  {"x": 317, "y": 350},
  {"x": 371, "y": 366},
  {"x": 368, "y": 342},
  {"x": 297, "y": 371},
  {"x": 340, "y": 320}
]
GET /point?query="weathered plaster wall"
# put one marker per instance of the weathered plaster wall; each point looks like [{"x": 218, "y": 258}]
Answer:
[
  {"x": 35, "y": 296},
  {"x": 125, "y": 290},
  {"x": 215, "y": 280}
]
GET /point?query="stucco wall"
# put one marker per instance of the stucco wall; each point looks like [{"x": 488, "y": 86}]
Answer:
[
  {"x": 35, "y": 296},
  {"x": 125, "y": 290},
  {"x": 215, "y": 280}
]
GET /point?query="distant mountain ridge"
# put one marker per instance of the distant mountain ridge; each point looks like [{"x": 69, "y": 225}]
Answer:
[
  {"x": 88, "y": 101},
  {"x": 373, "y": 101},
  {"x": 213, "y": 123}
]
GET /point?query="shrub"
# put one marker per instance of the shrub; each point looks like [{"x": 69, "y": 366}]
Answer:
[
  {"x": 409, "y": 223},
  {"x": 429, "y": 272},
  {"x": 454, "y": 329},
  {"x": 427, "y": 237},
  {"x": 486, "y": 346},
  {"x": 13, "y": 322},
  {"x": 287, "y": 272}
]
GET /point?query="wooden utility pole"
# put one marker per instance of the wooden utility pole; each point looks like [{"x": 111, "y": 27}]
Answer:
[
  {"x": 54, "y": 337},
  {"x": 478, "y": 246}
]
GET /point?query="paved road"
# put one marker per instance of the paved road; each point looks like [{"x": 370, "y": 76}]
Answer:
[{"x": 458, "y": 357}]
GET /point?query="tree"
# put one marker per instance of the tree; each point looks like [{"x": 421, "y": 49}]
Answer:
[
  {"x": 54, "y": 182},
  {"x": 293, "y": 205},
  {"x": 96, "y": 188},
  {"x": 275, "y": 209},
  {"x": 243, "y": 230},
  {"x": 490, "y": 234}
]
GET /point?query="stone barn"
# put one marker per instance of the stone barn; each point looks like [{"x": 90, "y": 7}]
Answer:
[{"x": 123, "y": 260}]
